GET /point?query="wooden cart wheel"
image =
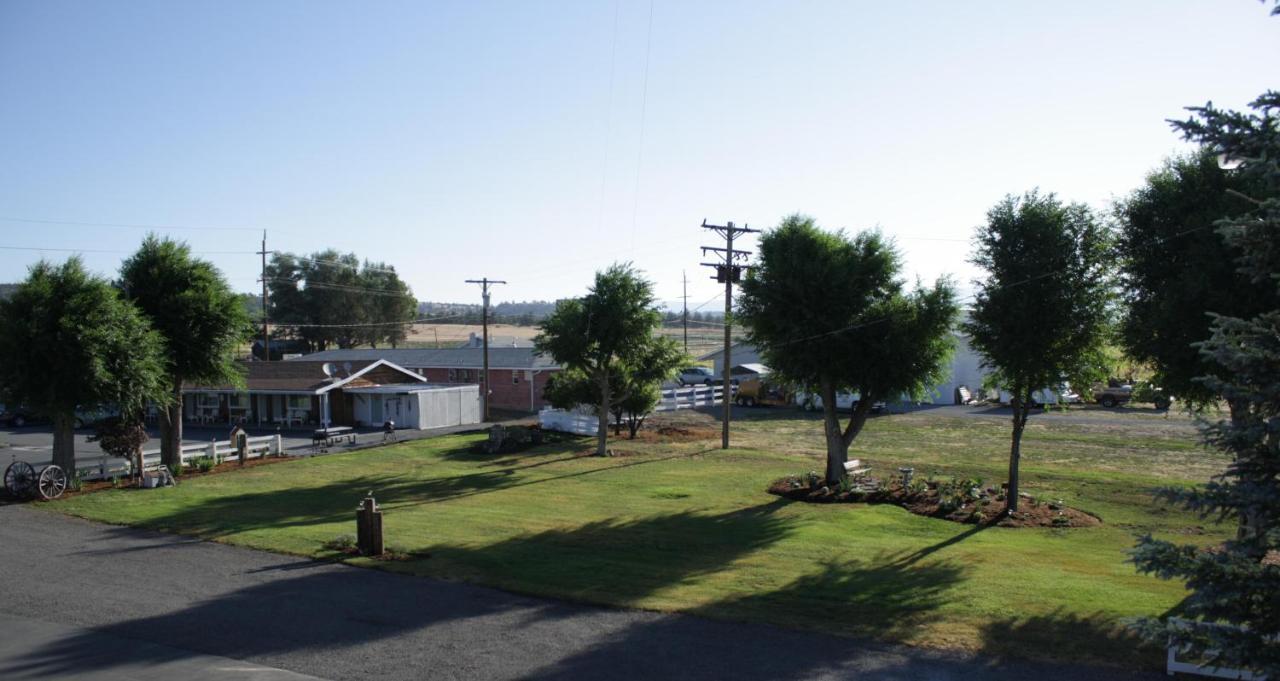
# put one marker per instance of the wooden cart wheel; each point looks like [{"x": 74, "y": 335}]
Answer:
[
  {"x": 53, "y": 482},
  {"x": 19, "y": 478}
]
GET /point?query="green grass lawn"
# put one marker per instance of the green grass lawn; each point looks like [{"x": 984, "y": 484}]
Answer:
[{"x": 688, "y": 527}]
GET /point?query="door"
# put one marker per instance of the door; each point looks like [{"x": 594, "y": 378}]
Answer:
[{"x": 375, "y": 410}]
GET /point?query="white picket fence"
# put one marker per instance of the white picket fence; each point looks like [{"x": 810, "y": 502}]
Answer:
[
  {"x": 108, "y": 467},
  {"x": 581, "y": 421}
]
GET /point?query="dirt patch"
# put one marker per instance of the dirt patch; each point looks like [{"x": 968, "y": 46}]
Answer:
[
  {"x": 960, "y": 504},
  {"x": 672, "y": 433}
]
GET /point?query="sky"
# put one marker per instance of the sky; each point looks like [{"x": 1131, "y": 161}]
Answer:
[{"x": 537, "y": 142}]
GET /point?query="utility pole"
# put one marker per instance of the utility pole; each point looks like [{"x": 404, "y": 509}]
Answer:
[
  {"x": 266, "y": 338},
  {"x": 728, "y": 272},
  {"x": 484, "y": 325},
  {"x": 685, "y": 297}
]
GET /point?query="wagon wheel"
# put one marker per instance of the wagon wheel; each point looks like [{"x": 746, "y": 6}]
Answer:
[
  {"x": 53, "y": 482},
  {"x": 19, "y": 478}
]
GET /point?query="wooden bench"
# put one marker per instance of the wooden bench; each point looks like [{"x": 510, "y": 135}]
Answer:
[{"x": 854, "y": 468}]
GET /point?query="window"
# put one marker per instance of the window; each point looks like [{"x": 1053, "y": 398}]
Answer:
[
  {"x": 515, "y": 375},
  {"x": 464, "y": 376},
  {"x": 238, "y": 401},
  {"x": 299, "y": 401},
  {"x": 453, "y": 375},
  {"x": 207, "y": 400}
]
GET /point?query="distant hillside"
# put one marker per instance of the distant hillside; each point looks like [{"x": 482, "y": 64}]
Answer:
[{"x": 523, "y": 313}]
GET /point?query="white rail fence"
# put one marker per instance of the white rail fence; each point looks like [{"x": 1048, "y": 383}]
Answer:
[
  {"x": 108, "y": 467},
  {"x": 582, "y": 421},
  {"x": 692, "y": 396}
]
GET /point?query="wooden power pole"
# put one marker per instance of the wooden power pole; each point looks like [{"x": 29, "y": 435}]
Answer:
[
  {"x": 484, "y": 329},
  {"x": 266, "y": 337},
  {"x": 685, "y": 296},
  {"x": 728, "y": 272}
]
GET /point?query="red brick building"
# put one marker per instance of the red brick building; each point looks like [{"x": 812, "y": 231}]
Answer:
[{"x": 517, "y": 376}]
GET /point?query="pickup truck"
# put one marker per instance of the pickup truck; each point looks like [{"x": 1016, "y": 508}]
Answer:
[{"x": 1116, "y": 395}]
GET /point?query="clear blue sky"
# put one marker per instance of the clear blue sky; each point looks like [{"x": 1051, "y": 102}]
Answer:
[{"x": 538, "y": 141}]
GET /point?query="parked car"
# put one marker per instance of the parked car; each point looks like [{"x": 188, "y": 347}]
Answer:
[
  {"x": 844, "y": 402},
  {"x": 90, "y": 417},
  {"x": 1062, "y": 394},
  {"x": 17, "y": 417},
  {"x": 696, "y": 376}
]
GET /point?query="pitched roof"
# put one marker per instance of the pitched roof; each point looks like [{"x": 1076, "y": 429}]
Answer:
[
  {"x": 439, "y": 358},
  {"x": 305, "y": 376}
]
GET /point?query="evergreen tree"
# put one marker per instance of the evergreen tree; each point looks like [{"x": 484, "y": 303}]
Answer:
[{"x": 1234, "y": 605}]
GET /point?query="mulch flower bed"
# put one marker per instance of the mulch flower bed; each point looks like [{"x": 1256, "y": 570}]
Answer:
[{"x": 961, "y": 501}]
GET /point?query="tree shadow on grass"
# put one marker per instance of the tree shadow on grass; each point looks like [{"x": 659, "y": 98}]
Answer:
[
  {"x": 1096, "y": 638},
  {"x": 620, "y": 562},
  {"x": 881, "y": 597},
  {"x": 336, "y": 501}
]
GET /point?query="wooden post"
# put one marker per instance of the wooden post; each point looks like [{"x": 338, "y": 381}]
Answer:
[
  {"x": 369, "y": 527},
  {"x": 278, "y": 445}
]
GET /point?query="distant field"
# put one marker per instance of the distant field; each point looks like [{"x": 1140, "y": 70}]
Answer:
[
  {"x": 450, "y": 335},
  {"x": 701, "y": 340}
]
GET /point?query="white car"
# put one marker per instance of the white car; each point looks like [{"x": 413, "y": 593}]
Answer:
[
  {"x": 696, "y": 376},
  {"x": 844, "y": 402}
]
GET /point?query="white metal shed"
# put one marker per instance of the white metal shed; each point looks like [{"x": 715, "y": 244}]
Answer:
[{"x": 419, "y": 406}]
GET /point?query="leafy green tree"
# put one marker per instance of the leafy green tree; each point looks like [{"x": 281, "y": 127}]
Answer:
[
  {"x": 829, "y": 312},
  {"x": 1233, "y": 610},
  {"x": 1176, "y": 268},
  {"x": 391, "y": 306},
  {"x": 201, "y": 320},
  {"x": 609, "y": 336},
  {"x": 123, "y": 437},
  {"x": 1042, "y": 315},
  {"x": 330, "y": 299},
  {"x": 70, "y": 341}
]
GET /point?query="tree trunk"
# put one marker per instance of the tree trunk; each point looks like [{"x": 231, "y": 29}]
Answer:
[
  {"x": 64, "y": 442},
  {"x": 1021, "y": 409},
  {"x": 602, "y": 434},
  {"x": 837, "y": 450},
  {"x": 171, "y": 436}
]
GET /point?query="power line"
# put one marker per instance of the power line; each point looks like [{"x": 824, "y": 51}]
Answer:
[
  {"x": 341, "y": 287},
  {"x": 127, "y": 225},
  {"x": 100, "y": 250},
  {"x": 644, "y": 106}
]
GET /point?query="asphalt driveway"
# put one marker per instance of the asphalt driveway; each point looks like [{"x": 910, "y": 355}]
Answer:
[{"x": 170, "y": 607}]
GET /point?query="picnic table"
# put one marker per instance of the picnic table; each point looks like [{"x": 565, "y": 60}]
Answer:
[{"x": 327, "y": 437}]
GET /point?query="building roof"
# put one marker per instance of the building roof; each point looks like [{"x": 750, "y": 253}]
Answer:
[
  {"x": 736, "y": 347},
  {"x": 309, "y": 376},
  {"x": 438, "y": 358}
]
